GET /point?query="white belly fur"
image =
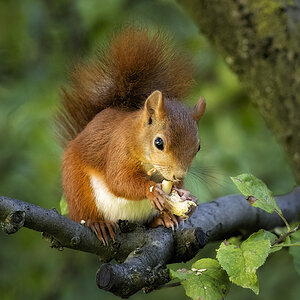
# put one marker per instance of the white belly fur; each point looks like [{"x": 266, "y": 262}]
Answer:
[{"x": 116, "y": 208}]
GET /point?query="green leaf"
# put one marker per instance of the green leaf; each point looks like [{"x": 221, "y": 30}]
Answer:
[
  {"x": 63, "y": 206},
  {"x": 295, "y": 251},
  {"x": 256, "y": 192},
  {"x": 235, "y": 240},
  {"x": 241, "y": 262},
  {"x": 206, "y": 280},
  {"x": 272, "y": 237}
]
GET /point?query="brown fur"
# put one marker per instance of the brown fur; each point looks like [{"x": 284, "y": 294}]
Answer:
[
  {"x": 110, "y": 154},
  {"x": 77, "y": 187},
  {"x": 123, "y": 75},
  {"x": 110, "y": 122}
]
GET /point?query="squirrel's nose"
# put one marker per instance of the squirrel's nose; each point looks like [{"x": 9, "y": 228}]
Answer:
[{"x": 180, "y": 176}]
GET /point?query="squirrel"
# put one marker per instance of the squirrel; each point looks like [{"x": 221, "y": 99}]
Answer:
[{"x": 121, "y": 117}]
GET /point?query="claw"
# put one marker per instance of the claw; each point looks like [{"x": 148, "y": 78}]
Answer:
[
  {"x": 174, "y": 220},
  {"x": 184, "y": 194},
  {"x": 193, "y": 198},
  {"x": 179, "y": 219},
  {"x": 158, "y": 201},
  {"x": 103, "y": 230},
  {"x": 165, "y": 219},
  {"x": 111, "y": 231},
  {"x": 161, "y": 196},
  {"x": 158, "y": 221}
]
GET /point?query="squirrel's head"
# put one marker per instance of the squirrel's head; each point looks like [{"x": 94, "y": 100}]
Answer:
[{"x": 171, "y": 135}]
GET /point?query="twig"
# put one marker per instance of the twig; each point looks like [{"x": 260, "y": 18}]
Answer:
[{"x": 283, "y": 237}]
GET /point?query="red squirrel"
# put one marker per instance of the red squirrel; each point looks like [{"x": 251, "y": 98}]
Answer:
[{"x": 121, "y": 117}]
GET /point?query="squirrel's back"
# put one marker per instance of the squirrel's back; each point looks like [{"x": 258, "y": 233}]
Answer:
[{"x": 123, "y": 75}]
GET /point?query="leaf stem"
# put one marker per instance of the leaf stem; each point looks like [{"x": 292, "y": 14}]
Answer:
[
  {"x": 168, "y": 285},
  {"x": 283, "y": 219},
  {"x": 287, "y": 245}
]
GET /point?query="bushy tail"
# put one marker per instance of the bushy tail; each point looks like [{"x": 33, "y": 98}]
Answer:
[{"x": 123, "y": 75}]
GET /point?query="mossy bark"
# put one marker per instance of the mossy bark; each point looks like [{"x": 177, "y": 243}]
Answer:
[{"x": 260, "y": 41}]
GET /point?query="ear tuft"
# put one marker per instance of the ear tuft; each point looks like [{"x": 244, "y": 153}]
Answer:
[
  {"x": 154, "y": 106},
  {"x": 199, "y": 109}
]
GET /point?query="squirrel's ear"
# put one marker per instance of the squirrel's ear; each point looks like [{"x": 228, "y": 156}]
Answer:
[
  {"x": 154, "y": 106},
  {"x": 199, "y": 109}
]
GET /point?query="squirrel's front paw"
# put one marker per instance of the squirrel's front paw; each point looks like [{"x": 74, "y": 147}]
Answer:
[
  {"x": 102, "y": 229},
  {"x": 157, "y": 198},
  {"x": 185, "y": 194}
]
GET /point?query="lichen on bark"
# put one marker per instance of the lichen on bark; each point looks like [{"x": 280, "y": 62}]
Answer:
[{"x": 260, "y": 41}]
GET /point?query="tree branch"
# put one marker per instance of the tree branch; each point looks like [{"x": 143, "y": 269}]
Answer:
[{"x": 143, "y": 253}]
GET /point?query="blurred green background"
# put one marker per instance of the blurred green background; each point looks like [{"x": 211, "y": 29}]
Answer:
[{"x": 39, "y": 41}]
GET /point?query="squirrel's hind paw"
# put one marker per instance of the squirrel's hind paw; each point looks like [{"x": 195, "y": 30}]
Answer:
[
  {"x": 103, "y": 230},
  {"x": 167, "y": 220}
]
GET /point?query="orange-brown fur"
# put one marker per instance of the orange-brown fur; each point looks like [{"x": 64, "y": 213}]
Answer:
[
  {"x": 109, "y": 128},
  {"x": 123, "y": 75}
]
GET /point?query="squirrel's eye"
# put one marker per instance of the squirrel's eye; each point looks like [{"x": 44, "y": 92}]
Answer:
[
  {"x": 159, "y": 143},
  {"x": 199, "y": 148}
]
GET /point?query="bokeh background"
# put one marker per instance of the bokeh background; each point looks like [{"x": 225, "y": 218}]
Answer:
[{"x": 39, "y": 42}]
